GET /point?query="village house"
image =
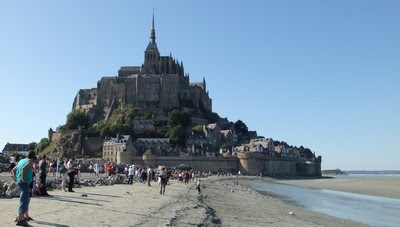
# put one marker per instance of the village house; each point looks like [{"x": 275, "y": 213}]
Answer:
[
  {"x": 143, "y": 144},
  {"x": 11, "y": 148},
  {"x": 284, "y": 151},
  {"x": 261, "y": 145},
  {"x": 141, "y": 126},
  {"x": 229, "y": 137},
  {"x": 195, "y": 139},
  {"x": 204, "y": 149},
  {"x": 118, "y": 150},
  {"x": 267, "y": 143},
  {"x": 212, "y": 133}
]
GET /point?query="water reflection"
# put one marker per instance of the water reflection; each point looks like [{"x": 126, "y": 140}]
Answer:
[{"x": 372, "y": 210}]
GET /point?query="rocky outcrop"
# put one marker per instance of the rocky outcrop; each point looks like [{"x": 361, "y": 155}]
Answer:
[
  {"x": 333, "y": 172},
  {"x": 66, "y": 144},
  {"x": 12, "y": 190}
]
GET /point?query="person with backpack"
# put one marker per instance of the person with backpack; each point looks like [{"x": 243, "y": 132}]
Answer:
[{"x": 164, "y": 180}]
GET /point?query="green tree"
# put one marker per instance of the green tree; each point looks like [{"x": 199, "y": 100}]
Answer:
[
  {"x": 44, "y": 142},
  {"x": 60, "y": 127},
  {"x": 177, "y": 136},
  {"x": 32, "y": 146},
  {"x": 224, "y": 146},
  {"x": 77, "y": 118},
  {"x": 112, "y": 129},
  {"x": 198, "y": 129},
  {"x": 241, "y": 127},
  {"x": 173, "y": 117},
  {"x": 177, "y": 117},
  {"x": 212, "y": 117}
]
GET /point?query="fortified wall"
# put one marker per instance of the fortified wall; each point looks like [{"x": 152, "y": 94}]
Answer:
[{"x": 249, "y": 163}]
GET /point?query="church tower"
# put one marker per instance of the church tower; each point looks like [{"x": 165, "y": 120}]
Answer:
[{"x": 151, "y": 54}]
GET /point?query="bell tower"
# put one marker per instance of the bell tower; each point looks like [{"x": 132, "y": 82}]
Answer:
[{"x": 151, "y": 54}]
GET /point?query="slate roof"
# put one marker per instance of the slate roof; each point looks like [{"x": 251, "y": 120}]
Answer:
[
  {"x": 16, "y": 147},
  {"x": 152, "y": 140},
  {"x": 130, "y": 68},
  {"x": 119, "y": 140},
  {"x": 152, "y": 46}
]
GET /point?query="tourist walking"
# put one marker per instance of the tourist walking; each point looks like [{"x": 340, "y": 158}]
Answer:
[
  {"x": 23, "y": 174},
  {"x": 63, "y": 171},
  {"x": 43, "y": 176},
  {"x": 198, "y": 187},
  {"x": 131, "y": 173},
  {"x": 149, "y": 175},
  {"x": 71, "y": 173},
  {"x": 53, "y": 167},
  {"x": 187, "y": 177},
  {"x": 78, "y": 169},
  {"x": 143, "y": 175},
  {"x": 164, "y": 180},
  {"x": 13, "y": 162},
  {"x": 96, "y": 169},
  {"x": 90, "y": 168}
]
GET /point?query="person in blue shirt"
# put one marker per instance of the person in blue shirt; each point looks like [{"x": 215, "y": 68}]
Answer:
[{"x": 23, "y": 174}]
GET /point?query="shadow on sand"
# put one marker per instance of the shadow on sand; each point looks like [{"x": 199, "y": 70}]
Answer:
[
  {"x": 44, "y": 223},
  {"x": 69, "y": 200}
]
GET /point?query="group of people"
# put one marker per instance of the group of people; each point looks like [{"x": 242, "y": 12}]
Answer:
[{"x": 25, "y": 171}]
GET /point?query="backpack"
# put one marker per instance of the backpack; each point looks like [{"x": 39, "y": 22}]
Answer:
[{"x": 62, "y": 169}]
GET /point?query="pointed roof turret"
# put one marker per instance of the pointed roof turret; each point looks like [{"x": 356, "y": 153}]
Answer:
[
  {"x": 152, "y": 44},
  {"x": 153, "y": 31}
]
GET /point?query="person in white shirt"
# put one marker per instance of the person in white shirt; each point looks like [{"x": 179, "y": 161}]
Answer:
[
  {"x": 149, "y": 175},
  {"x": 131, "y": 173},
  {"x": 96, "y": 169},
  {"x": 71, "y": 174},
  {"x": 12, "y": 162}
]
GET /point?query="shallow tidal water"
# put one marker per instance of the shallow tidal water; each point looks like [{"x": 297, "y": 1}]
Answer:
[{"x": 371, "y": 210}]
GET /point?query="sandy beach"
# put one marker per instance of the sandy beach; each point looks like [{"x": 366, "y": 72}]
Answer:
[
  {"x": 376, "y": 185},
  {"x": 223, "y": 202}
]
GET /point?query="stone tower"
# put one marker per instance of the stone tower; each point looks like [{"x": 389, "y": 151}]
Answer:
[
  {"x": 151, "y": 54},
  {"x": 160, "y": 82}
]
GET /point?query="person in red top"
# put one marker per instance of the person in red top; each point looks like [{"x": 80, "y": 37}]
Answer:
[{"x": 111, "y": 170}]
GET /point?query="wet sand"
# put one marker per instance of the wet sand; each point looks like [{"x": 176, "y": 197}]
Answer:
[
  {"x": 223, "y": 202},
  {"x": 376, "y": 185}
]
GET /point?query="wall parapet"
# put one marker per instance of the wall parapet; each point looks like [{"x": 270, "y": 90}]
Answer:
[{"x": 249, "y": 163}]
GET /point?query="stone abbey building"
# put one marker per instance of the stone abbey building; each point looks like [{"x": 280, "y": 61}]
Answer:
[{"x": 160, "y": 82}]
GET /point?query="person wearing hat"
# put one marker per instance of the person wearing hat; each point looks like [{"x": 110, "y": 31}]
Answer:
[{"x": 23, "y": 174}]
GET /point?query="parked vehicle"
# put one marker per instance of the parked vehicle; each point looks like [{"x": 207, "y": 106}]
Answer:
[{"x": 4, "y": 167}]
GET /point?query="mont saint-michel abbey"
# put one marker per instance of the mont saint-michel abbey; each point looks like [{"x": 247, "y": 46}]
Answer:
[
  {"x": 160, "y": 86},
  {"x": 160, "y": 82}
]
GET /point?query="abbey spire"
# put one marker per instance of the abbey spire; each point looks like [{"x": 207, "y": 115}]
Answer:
[
  {"x": 153, "y": 32},
  {"x": 151, "y": 54}
]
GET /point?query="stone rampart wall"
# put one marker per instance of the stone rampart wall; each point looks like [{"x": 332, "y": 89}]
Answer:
[
  {"x": 93, "y": 146},
  {"x": 212, "y": 164},
  {"x": 251, "y": 163}
]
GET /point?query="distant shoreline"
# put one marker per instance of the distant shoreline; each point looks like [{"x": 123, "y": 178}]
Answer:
[{"x": 384, "y": 185}]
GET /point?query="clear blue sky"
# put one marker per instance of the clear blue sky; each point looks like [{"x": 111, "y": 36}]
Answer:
[{"x": 322, "y": 74}]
